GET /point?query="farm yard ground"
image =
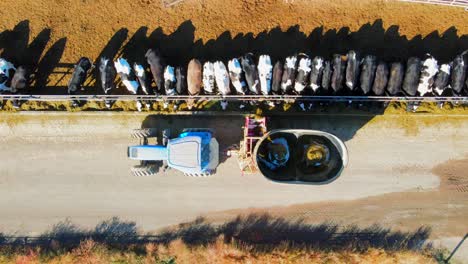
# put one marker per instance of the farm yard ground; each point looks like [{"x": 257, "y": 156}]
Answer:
[
  {"x": 52, "y": 35},
  {"x": 405, "y": 171}
]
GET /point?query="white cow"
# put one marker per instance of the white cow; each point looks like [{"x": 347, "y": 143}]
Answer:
[
  {"x": 265, "y": 71},
  {"x": 208, "y": 78},
  {"x": 235, "y": 72}
]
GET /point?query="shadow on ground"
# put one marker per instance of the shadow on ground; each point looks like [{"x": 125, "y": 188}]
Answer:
[
  {"x": 180, "y": 46},
  {"x": 261, "y": 233}
]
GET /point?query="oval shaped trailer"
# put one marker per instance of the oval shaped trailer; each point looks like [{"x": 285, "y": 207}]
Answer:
[{"x": 300, "y": 156}]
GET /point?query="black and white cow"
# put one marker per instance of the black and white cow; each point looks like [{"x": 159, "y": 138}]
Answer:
[
  {"x": 412, "y": 74},
  {"x": 338, "y": 76},
  {"x": 352, "y": 70},
  {"x": 79, "y": 75},
  {"x": 316, "y": 74},
  {"x": 143, "y": 79},
  {"x": 208, "y": 78},
  {"x": 107, "y": 75},
  {"x": 277, "y": 77},
  {"x": 368, "y": 68},
  {"x": 236, "y": 75},
  {"x": 265, "y": 72},
  {"x": 20, "y": 79},
  {"x": 303, "y": 74},
  {"x": 430, "y": 68},
  {"x": 289, "y": 74},
  {"x": 326, "y": 77},
  {"x": 170, "y": 81},
  {"x": 442, "y": 80},
  {"x": 126, "y": 75},
  {"x": 251, "y": 73},
  {"x": 381, "y": 79},
  {"x": 395, "y": 81},
  {"x": 7, "y": 70},
  {"x": 157, "y": 66},
  {"x": 458, "y": 76}
]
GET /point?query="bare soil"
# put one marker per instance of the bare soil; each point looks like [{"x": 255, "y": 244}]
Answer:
[{"x": 50, "y": 35}]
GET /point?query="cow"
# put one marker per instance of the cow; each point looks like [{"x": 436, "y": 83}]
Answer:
[
  {"x": 277, "y": 76},
  {"x": 142, "y": 77},
  {"x": 326, "y": 76},
  {"x": 411, "y": 80},
  {"x": 222, "y": 78},
  {"x": 316, "y": 74},
  {"x": 126, "y": 75},
  {"x": 289, "y": 74},
  {"x": 79, "y": 75},
  {"x": 181, "y": 76},
  {"x": 459, "y": 67},
  {"x": 194, "y": 80},
  {"x": 265, "y": 70},
  {"x": 169, "y": 81},
  {"x": 381, "y": 79},
  {"x": 430, "y": 67},
  {"x": 442, "y": 80},
  {"x": 237, "y": 78},
  {"x": 368, "y": 68},
  {"x": 157, "y": 66},
  {"x": 352, "y": 70},
  {"x": 208, "y": 78},
  {"x": 20, "y": 79},
  {"x": 395, "y": 81},
  {"x": 6, "y": 70},
  {"x": 339, "y": 66},
  {"x": 303, "y": 74},
  {"x": 251, "y": 73},
  {"x": 107, "y": 75}
]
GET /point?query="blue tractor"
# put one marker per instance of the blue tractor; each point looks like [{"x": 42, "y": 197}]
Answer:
[{"x": 195, "y": 152}]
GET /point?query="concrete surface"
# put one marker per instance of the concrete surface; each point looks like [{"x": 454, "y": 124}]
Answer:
[{"x": 57, "y": 165}]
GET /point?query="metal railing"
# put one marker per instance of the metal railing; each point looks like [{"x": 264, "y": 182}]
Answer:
[
  {"x": 240, "y": 98},
  {"x": 456, "y": 3}
]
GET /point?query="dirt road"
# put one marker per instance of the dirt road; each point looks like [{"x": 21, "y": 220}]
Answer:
[{"x": 63, "y": 165}]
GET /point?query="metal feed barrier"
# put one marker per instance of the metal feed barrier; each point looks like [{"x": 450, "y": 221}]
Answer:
[
  {"x": 245, "y": 98},
  {"x": 456, "y": 3}
]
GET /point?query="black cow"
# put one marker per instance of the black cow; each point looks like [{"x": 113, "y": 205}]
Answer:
[
  {"x": 20, "y": 79},
  {"x": 251, "y": 73},
  {"x": 302, "y": 74},
  {"x": 369, "y": 66},
  {"x": 143, "y": 79},
  {"x": 459, "y": 67},
  {"x": 397, "y": 71},
  {"x": 381, "y": 79},
  {"x": 79, "y": 75},
  {"x": 277, "y": 78},
  {"x": 237, "y": 76},
  {"x": 107, "y": 74},
  {"x": 289, "y": 74},
  {"x": 338, "y": 76},
  {"x": 442, "y": 80},
  {"x": 326, "y": 76},
  {"x": 352, "y": 70},
  {"x": 412, "y": 74},
  {"x": 157, "y": 66},
  {"x": 170, "y": 81},
  {"x": 181, "y": 76},
  {"x": 316, "y": 73}
]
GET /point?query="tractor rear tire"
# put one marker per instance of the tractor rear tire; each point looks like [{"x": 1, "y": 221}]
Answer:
[
  {"x": 144, "y": 170},
  {"x": 144, "y": 133}
]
